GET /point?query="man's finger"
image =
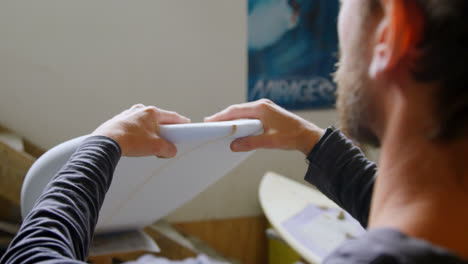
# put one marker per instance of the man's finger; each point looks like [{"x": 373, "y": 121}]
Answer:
[
  {"x": 234, "y": 112},
  {"x": 169, "y": 117},
  {"x": 163, "y": 149},
  {"x": 135, "y": 106},
  {"x": 251, "y": 143}
]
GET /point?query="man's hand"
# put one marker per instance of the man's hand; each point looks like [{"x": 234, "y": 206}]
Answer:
[
  {"x": 282, "y": 129},
  {"x": 136, "y": 131}
]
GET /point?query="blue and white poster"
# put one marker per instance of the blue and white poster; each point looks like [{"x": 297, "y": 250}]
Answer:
[{"x": 292, "y": 52}]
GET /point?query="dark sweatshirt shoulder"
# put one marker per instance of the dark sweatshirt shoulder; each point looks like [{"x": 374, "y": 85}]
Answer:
[
  {"x": 382, "y": 246},
  {"x": 341, "y": 171},
  {"x": 60, "y": 226}
]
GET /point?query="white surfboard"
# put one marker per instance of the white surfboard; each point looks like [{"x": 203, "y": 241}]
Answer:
[
  {"x": 307, "y": 220},
  {"x": 144, "y": 190}
]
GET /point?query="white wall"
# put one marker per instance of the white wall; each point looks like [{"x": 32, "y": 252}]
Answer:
[{"x": 66, "y": 66}]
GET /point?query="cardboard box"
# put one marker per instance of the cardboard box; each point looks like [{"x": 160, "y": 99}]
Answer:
[{"x": 14, "y": 165}]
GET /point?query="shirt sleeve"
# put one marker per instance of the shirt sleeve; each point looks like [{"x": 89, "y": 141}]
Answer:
[
  {"x": 340, "y": 171},
  {"x": 60, "y": 227}
]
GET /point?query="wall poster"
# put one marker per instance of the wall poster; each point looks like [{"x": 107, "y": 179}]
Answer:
[{"x": 292, "y": 52}]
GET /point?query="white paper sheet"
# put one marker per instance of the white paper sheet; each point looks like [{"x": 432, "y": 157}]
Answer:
[
  {"x": 12, "y": 140},
  {"x": 321, "y": 230}
]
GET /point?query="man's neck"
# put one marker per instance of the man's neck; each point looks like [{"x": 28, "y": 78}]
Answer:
[{"x": 422, "y": 187}]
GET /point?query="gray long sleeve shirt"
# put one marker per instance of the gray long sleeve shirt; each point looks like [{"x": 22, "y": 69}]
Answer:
[
  {"x": 341, "y": 172},
  {"x": 60, "y": 226}
]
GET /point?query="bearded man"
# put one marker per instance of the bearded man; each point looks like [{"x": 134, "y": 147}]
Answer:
[
  {"x": 401, "y": 82},
  {"x": 401, "y": 85}
]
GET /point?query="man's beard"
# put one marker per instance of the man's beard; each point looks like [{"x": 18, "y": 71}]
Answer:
[{"x": 356, "y": 109}]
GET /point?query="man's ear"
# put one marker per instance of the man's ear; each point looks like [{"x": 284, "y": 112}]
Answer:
[{"x": 397, "y": 35}]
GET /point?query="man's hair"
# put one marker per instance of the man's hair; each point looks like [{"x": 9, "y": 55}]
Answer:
[{"x": 444, "y": 60}]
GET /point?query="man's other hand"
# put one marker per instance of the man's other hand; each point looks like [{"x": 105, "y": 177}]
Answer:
[
  {"x": 136, "y": 131},
  {"x": 282, "y": 129}
]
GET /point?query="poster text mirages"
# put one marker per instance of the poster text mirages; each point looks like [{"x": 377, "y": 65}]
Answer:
[{"x": 292, "y": 49}]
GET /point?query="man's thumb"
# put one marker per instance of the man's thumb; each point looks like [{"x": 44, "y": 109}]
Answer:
[{"x": 163, "y": 149}]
